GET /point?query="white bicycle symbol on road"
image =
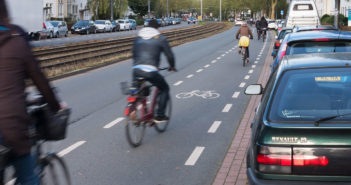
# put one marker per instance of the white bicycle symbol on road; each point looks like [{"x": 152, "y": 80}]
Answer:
[{"x": 203, "y": 94}]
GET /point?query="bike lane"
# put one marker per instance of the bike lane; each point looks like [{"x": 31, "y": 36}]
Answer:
[{"x": 233, "y": 168}]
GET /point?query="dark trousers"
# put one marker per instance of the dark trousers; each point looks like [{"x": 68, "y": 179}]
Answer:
[
  {"x": 157, "y": 80},
  {"x": 25, "y": 167}
]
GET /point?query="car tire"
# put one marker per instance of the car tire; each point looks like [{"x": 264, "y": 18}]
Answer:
[
  {"x": 95, "y": 31},
  {"x": 66, "y": 34},
  {"x": 87, "y": 32},
  {"x": 51, "y": 35},
  {"x": 57, "y": 35}
]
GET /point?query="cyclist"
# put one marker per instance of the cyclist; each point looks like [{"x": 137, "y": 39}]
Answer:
[
  {"x": 244, "y": 30},
  {"x": 257, "y": 24},
  {"x": 17, "y": 63},
  {"x": 263, "y": 25},
  {"x": 147, "y": 49}
]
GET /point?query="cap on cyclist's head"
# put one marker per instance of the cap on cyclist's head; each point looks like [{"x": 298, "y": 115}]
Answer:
[{"x": 153, "y": 23}]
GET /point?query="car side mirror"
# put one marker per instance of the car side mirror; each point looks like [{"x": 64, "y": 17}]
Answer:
[
  {"x": 274, "y": 53},
  {"x": 254, "y": 89}
]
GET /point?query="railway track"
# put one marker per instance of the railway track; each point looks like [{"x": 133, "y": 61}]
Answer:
[{"x": 64, "y": 60}]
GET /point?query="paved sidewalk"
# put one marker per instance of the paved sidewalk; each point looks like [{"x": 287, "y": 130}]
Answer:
[{"x": 233, "y": 169}]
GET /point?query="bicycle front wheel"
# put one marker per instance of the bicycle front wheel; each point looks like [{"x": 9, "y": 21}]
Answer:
[
  {"x": 135, "y": 128},
  {"x": 54, "y": 171},
  {"x": 161, "y": 127}
]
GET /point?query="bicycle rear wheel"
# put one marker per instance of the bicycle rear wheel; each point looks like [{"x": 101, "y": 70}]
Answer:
[
  {"x": 161, "y": 127},
  {"x": 244, "y": 56},
  {"x": 135, "y": 129},
  {"x": 54, "y": 171}
]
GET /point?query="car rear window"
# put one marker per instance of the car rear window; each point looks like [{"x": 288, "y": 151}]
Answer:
[
  {"x": 283, "y": 33},
  {"x": 303, "y": 7},
  {"x": 54, "y": 23},
  {"x": 311, "y": 94},
  {"x": 121, "y": 22},
  {"x": 319, "y": 47},
  {"x": 99, "y": 22}
]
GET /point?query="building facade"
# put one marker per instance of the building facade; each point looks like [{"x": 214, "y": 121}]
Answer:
[{"x": 60, "y": 9}]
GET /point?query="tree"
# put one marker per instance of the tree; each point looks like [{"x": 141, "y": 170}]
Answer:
[{"x": 102, "y": 10}]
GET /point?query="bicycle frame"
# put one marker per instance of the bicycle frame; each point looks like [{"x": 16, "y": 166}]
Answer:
[{"x": 147, "y": 113}]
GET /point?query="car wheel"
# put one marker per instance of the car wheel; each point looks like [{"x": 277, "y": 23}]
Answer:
[
  {"x": 66, "y": 34},
  {"x": 104, "y": 30},
  {"x": 51, "y": 35},
  {"x": 57, "y": 34},
  {"x": 95, "y": 31}
]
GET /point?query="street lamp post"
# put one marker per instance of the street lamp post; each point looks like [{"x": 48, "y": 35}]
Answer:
[
  {"x": 148, "y": 7},
  {"x": 201, "y": 10},
  {"x": 220, "y": 10},
  {"x": 111, "y": 10},
  {"x": 167, "y": 9}
]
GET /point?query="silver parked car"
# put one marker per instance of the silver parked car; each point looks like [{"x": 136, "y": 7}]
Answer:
[
  {"x": 103, "y": 26},
  {"x": 60, "y": 28},
  {"x": 124, "y": 24}
]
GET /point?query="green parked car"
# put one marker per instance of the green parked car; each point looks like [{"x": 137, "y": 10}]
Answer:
[{"x": 301, "y": 133}]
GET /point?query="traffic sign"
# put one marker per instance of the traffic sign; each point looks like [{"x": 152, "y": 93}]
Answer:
[{"x": 281, "y": 12}]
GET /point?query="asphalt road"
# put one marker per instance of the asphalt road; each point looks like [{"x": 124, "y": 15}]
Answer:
[
  {"x": 75, "y": 38},
  {"x": 191, "y": 150}
]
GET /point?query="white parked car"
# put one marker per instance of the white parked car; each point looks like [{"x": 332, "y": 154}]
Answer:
[
  {"x": 272, "y": 25},
  {"x": 60, "y": 28},
  {"x": 239, "y": 22},
  {"x": 124, "y": 24},
  {"x": 302, "y": 13},
  {"x": 103, "y": 26}
]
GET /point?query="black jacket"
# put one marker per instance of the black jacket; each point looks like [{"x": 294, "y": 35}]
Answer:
[
  {"x": 263, "y": 24},
  {"x": 148, "y": 46}
]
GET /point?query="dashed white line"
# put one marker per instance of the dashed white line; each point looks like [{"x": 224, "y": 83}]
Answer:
[
  {"x": 206, "y": 66},
  {"x": 253, "y": 66},
  {"x": 251, "y": 70},
  {"x": 189, "y": 76},
  {"x": 227, "y": 108},
  {"x": 257, "y": 58},
  {"x": 247, "y": 77},
  {"x": 178, "y": 83},
  {"x": 195, "y": 155},
  {"x": 259, "y": 55},
  {"x": 214, "y": 61},
  {"x": 256, "y": 62},
  {"x": 218, "y": 58},
  {"x": 223, "y": 55},
  {"x": 236, "y": 94},
  {"x": 198, "y": 71},
  {"x": 242, "y": 84},
  {"x": 114, "y": 122},
  {"x": 70, "y": 148},
  {"x": 214, "y": 127},
  {"x": 226, "y": 52}
]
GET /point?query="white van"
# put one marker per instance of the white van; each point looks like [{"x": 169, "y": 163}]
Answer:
[{"x": 302, "y": 13}]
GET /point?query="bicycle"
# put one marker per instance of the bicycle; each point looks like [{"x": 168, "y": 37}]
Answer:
[
  {"x": 52, "y": 170},
  {"x": 139, "y": 114},
  {"x": 244, "y": 55},
  {"x": 203, "y": 94},
  {"x": 264, "y": 34}
]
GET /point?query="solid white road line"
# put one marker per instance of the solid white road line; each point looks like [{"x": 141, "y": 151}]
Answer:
[
  {"x": 198, "y": 71},
  {"x": 194, "y": 156},
  {"x": 247, "y": 77},
  {"x": 206, "y": 66},
  {"x": 114, "y": 122},
  {"x": 189, "y": 76},
  {"x": 214, "y": 61},
  {"x": 236, "y": 94},
  {"x": 178, "y": 83},
  {"x": 242, "y": 84},
  {"x": 227, "y": 108},
  {"x": 70, "y": 148},
  {"x": 253, "y": 66},
  {"x": 214, "y": 127},
  {"x": 251, "y": 70}
]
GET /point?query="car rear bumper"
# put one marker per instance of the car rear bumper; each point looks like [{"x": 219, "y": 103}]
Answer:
[{"x": 254, "y": 180}]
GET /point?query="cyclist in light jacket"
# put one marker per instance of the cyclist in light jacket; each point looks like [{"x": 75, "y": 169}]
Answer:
[{"x": 147, "y": 49}]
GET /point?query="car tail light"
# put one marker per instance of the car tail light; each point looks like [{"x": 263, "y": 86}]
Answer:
[
  {"x": 310, "y": 160},
  {"x": 277, "y": 44},
  {"x": 281, "y": 160},
  {"x": 44, "y": 26},
  {"x": 321, "y": 40},
  {"x": 274, "y": 159}
]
